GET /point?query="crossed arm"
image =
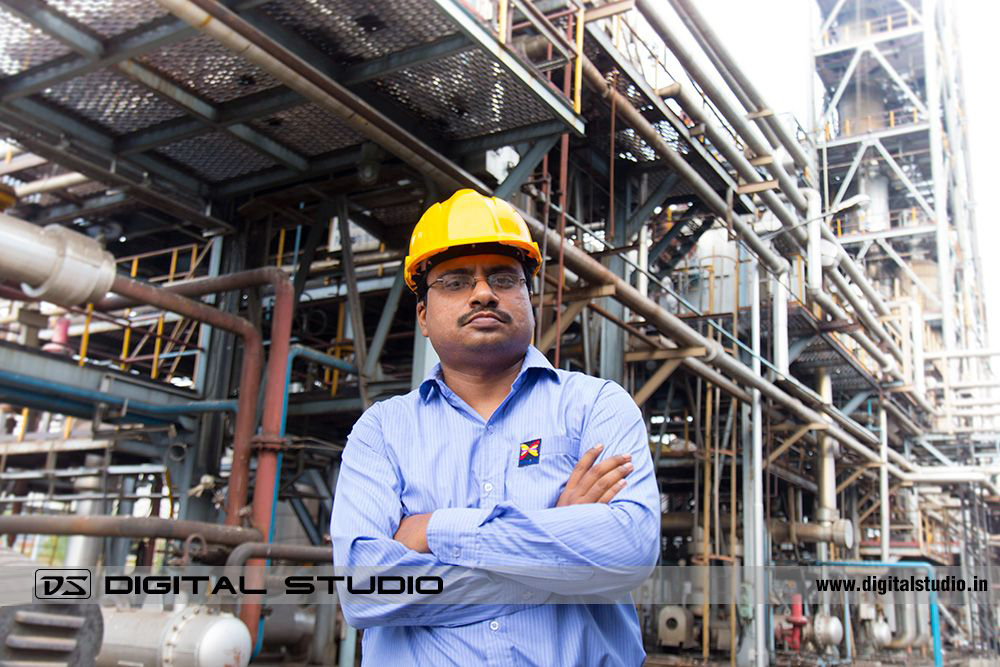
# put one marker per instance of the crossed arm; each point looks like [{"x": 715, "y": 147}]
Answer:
[{"x": 602, "y": 523}]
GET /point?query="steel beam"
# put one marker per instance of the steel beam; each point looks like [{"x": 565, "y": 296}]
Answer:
[
  {"x": 394, "y": 62},
  {"x": 384, "y": 323},
  {"x": 58, "y": 26},
  {"x": 646, "y": 208},
  {"x": 312, "y": 532},
  {"x": 510, "y": 137},
  {"x": 88, "y": 207},
  {"x": 519, "y": 174}
]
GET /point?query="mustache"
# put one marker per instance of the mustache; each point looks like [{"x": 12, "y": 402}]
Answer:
[{"x": 499, "y": 314}]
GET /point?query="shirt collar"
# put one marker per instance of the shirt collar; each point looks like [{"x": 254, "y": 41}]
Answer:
[{"x": 533, "y": 358}]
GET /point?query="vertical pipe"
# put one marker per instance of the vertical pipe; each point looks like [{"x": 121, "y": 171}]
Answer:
[
  {"x": 883, "y": 483},
  {"x": 83, "y": 551},
  {"x": 128, "y": 330},
  {"x": 757, "y": 437},
  {"x": 814, "y": 263},
  {"x": 779, "y": 326}
]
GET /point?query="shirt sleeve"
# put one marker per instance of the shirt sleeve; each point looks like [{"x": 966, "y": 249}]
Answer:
[
  {"x": 593, "y": 548},
  {"x": 366, "y": 514}
]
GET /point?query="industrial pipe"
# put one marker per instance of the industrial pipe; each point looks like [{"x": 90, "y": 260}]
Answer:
[
  {"x": 743, "y": 87},
  {"x": 861, "y": 310},
  {"x": 935, "y": 618},
  {"x": 54, "y": 263},
  {"x": 680, "y": 166},
  {"x": 654, "y": 16},
  {"x": 253, "y": 358},
  {"x": 595, "y": 273},
  {"x": 52, "y": 183},
  {"x": 839, "y": 532},
  {"x": 270, "y": 439},
  {"x": 300, "y": 553},
  {"x": 191, "y": 636},
  {"x": 126, "y": 526}
]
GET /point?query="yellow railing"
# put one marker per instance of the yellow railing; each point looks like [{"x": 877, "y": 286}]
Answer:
[
  {"x": 861, "y": 222},
  {"x": 853, "y": 126},
  {"x": 183, "y": 330},
  {"x": 862, "y": 30}
]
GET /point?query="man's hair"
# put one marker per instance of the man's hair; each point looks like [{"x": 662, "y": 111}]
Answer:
[{"x": 420, "y": 277}]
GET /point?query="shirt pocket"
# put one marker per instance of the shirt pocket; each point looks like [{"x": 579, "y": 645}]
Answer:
[{"x": 538, "y": 485}]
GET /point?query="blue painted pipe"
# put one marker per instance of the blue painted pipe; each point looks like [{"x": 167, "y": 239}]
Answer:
[
  {"x": 20, "y": 381},
  {"x": 935, "y": 617},
  {"x": 294, "y": 351}
]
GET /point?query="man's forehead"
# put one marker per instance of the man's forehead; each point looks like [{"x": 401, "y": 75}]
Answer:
[{"x": 473, "y": 262}]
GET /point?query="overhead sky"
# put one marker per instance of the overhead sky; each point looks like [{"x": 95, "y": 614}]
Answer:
[{"x": 772, "y": 39}]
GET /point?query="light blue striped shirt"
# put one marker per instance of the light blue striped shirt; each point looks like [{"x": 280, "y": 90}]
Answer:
[{"x": 428, "y": 451}]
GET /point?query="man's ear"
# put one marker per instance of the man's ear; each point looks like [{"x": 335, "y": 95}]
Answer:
[{"x": 422, "y": 315}]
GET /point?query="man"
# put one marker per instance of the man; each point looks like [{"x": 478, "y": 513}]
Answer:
[{"x": 533, "y": 479}]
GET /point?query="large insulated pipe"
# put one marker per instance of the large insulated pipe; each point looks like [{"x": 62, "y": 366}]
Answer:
[
  {"x": 840, "y": 532},
  {"x": 905, "y": 613},
  {"x": 194, "y": 636},
  {"x": 52, "y": 183},
  {"x": 83, "y": 551},
  {"x": 883, "y": 484},
  {"x": 126, "y": 526},
  {"x": 743, "y": 87},
  {"x": 826, "y": 470},
  {"x": 54, "y": 263}
]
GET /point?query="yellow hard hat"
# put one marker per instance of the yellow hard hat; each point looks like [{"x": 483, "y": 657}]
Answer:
[{"x": 467, "y": 218}]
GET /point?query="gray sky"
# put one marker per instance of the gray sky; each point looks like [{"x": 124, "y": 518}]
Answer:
[{"x": 772, "y": 40}]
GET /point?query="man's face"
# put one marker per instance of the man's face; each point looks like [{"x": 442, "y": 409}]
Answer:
[{"x": 480, "y": 319}]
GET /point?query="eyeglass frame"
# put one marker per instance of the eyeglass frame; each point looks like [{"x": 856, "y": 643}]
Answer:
[{"x": 519, "y": 280}]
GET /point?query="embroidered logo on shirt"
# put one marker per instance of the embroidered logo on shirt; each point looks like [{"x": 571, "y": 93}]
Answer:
[{"x": 529, "y": 453}]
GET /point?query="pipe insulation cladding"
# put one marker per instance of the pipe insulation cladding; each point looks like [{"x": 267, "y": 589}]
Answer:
[{"x": 54, "y": 263}]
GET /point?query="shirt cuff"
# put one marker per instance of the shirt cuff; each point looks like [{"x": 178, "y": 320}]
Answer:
[{"x": 451, "y": 534}]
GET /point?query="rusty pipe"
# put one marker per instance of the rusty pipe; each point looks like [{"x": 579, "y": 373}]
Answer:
[
  {"x": 274, "y": 392},
  {"x": 302, "y": 553},
  {"x": 126, "y": 526},
  {"x": 253, "y": 361}
]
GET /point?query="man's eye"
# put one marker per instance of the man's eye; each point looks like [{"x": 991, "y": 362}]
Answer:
[
  {"x": 504, "y": 281},
  {"x": 454, "y": 284}
]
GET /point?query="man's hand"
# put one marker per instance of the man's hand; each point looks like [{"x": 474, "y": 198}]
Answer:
[
  {"x": 412, "y": 532},
  {"x": 589, "y": 483}
]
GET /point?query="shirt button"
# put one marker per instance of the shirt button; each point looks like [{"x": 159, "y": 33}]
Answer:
[
  {"x": 494, "y": 625},
  {"x": 455, "y": 552},
  {"x": 487, "y": 487}
]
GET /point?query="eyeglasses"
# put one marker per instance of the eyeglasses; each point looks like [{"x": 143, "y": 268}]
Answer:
[{"x": 460, "y": 282}]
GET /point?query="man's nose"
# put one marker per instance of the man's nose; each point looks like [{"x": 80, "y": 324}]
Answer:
[{"x": 482, "y": 294}]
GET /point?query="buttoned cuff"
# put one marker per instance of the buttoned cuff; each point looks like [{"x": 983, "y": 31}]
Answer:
[{"x": 451, "y": 534}]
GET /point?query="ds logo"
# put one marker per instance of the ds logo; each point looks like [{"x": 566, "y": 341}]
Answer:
[{"x": 53, "y": 584}]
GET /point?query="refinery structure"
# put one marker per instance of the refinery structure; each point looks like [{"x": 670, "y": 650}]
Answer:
[{"x": 207, "y": 203}]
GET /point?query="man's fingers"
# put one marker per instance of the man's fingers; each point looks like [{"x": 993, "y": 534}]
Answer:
[
  {"x": 607, "y": 481},
  {"x": 583, "y": 465},
  {"x": 603, "y": 468},
  {"x": 610, "y": 493}
]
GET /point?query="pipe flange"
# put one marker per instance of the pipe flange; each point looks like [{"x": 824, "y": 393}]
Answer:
[
  {"x": 271, "y": 442},
  {"x": 83, "y": 271}
]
